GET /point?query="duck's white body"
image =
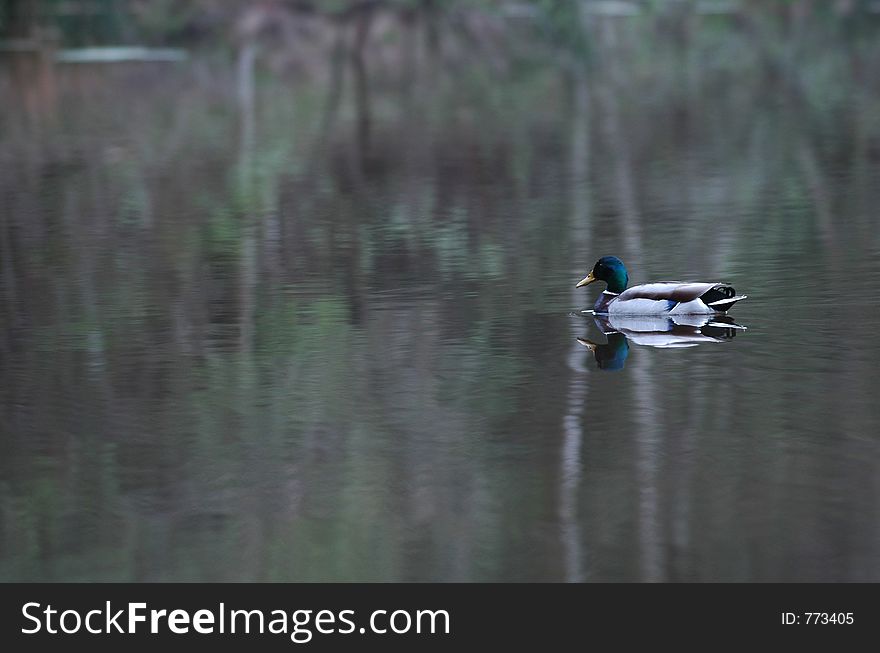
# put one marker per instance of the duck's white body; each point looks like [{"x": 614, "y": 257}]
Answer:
[{"x": 668, "y": 298}]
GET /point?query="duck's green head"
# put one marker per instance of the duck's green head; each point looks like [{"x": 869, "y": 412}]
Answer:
[{"x": 609, "y": 269}]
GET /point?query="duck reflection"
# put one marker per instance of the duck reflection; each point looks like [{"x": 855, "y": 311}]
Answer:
[{"x": 678, "y": 332}]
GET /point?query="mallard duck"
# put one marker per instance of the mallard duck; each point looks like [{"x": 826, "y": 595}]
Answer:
[{"x": 660, "y": 298}]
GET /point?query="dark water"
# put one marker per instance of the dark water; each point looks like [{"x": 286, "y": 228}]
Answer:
[{"x": 248, "y": 335}]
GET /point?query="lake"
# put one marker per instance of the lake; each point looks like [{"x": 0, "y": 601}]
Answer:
[{"x": 259, "y": 326}]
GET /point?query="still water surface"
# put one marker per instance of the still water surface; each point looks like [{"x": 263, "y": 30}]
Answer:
[{"x": 241, "y": 344}]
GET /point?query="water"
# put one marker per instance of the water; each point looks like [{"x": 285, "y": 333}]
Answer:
[{"x": 247, "y": 335}]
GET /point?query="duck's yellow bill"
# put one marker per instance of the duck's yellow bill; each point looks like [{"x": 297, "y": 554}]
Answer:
[{"x": 586, "y": 281}]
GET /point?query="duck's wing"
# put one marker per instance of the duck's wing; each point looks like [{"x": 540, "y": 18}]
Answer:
[
  {"x": 676, "y": 291},
  {"x": 717, "y": 296}
]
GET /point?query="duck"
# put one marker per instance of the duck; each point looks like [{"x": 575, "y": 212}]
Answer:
[{"x": 659, "y": 298}]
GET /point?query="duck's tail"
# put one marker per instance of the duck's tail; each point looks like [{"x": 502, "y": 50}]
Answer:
[
  {"x": 725, "y": 304},
  {"x": 721, "y": 297}
]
